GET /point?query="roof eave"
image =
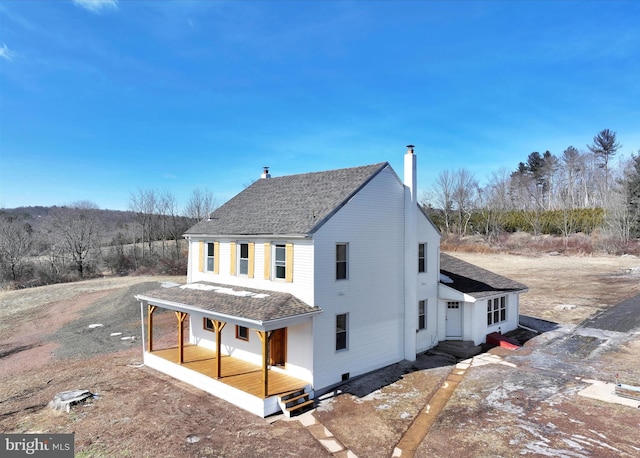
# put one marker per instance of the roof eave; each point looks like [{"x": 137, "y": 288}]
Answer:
[
  {"x": 327, "y": 217},
  {"x": 261, "y": 325}
]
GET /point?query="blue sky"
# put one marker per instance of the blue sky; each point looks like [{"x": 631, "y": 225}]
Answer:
[{"x": 100, "y": 98}]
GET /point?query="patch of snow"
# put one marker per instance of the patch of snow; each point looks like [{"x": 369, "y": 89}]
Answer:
[
  {"x": 405, "y": 415},
  {"x": 168, "y": 284},
  {"x": 224, "y": 290},
  {"x": 634, "y": 271},
  {"x": 128, "y": 338},
  {"x": 598, "y": 433},
  {"x": 565, "y": 307},
  {"x": 543, "y": 450},
  {"x": 97, "y": 325},
  {"x": 115, "y": 334},
  {"x": 573, "y": 444}
]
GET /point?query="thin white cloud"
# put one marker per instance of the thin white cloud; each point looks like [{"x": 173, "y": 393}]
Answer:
[
  {"x": 6, "y": 53},
  {"x": 96, "y": 6}
]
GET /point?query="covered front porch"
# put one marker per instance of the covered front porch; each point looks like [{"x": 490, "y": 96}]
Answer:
[
  {"x": 229, "y": 349},
  {"x": 241, "y": 383},
  {"x": 235, "y": 372}
]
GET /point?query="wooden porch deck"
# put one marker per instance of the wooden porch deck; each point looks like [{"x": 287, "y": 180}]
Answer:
[{"x": 237, "y": 373}]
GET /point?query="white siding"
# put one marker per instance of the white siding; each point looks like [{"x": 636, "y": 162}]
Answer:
[
  {"x": 481, "y": 329},
  {"x": 301, "y": 287},
  {"x": 299, "y": 355},
  {"x": 373, "y": 294},
  {"x": 428, "y": 283}
]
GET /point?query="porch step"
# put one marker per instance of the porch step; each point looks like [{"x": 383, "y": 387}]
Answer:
[
  {"x": 459, "y": 348},
  {"x": 295, "y": 402}
]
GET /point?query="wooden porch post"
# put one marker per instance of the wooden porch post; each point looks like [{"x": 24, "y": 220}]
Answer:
[
  {"x": 217, "y": 326},
  {"x": 181, "y": 316},
  {"x": 150, "y": 310},
  {"x": 264, "y": 338}
]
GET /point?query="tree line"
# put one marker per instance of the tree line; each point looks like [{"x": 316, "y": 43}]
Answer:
[
  {"x": 577, "y": 191},
  {"x": 79, "y": 240}
]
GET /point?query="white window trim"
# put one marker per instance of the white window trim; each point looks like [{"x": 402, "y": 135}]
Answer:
[
  {"x": 346, "y": 261},
  {"x": 491, "y": 310},
  {"x": 423, "y": 314},
  {"x": 275, "y": 265},
  {"x": 207, "y": 257},
  {"x": 424, "y": 257},
  {"x": 346, "y": 332},
  {"x": 240, "y": 259}
]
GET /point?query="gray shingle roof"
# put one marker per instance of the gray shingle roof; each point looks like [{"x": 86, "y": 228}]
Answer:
[
  {"x": 293, "y": 204},
  {"x": 475, "y": 281},
  {"x": 234, "y": 301}
]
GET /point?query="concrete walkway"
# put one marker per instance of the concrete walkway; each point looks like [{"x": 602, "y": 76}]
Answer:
[
  {"x": 326, "y": 438},
  {"x": 426, "y": 418},
  {"x": 421, "y": 425}
]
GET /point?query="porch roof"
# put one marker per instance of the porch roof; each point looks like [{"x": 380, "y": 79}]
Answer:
[{"x": 231, "y": 303}]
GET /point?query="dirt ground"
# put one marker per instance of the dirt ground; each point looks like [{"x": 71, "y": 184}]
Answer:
[{"x": 527, "y": 406}]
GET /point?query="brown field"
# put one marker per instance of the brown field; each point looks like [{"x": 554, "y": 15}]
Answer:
[{"x": 529, "y": 407}]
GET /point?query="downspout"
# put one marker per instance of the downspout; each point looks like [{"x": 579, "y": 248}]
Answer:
[{"x": 410, "y": 255}]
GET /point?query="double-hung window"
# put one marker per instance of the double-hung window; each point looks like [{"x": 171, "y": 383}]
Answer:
[
  {"x": 422, "y": 256},
  {"x": 244, "y": 259},
  {"x": 280, "y": 263},
  {"x": 422, "y": 314},
  {"x": 342, "y": 331},
  {"x": 210, "y": 257},
  {"x": 342, "y": 256},
  {"x": 496, "y": 310}
]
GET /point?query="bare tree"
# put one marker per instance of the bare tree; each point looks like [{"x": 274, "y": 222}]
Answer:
[
  {"x": 443, "y": 192},
  {"x": 493, "y": 201},
  {"x": 464, "y": 195},
  {"x": 144, "y": 203},
  {"x": 172, "y": 223},
  {"x": 78, "y": 226},
  {"x": 16, "y": 240},
  {"x": 200, "y": 205}
]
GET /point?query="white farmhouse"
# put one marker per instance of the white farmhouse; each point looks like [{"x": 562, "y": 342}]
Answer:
[{"x": 301, "y": 282}]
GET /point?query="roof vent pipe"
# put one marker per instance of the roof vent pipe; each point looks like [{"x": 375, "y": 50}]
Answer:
[{"x": 265, "y": 172}]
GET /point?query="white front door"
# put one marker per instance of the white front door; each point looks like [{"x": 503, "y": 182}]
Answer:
[{"x": 454, "y": 320}]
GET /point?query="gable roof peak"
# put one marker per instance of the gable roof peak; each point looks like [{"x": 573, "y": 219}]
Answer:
[{"x": 290, "y": 204}]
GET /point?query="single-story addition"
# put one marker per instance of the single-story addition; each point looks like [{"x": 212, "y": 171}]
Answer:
[
  {"x": 476, "y": 302},
  {"x": 301, "y": 282}
]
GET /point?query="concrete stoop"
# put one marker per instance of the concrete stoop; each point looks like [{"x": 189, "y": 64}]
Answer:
[{"x": 462, "y": 349}]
